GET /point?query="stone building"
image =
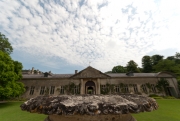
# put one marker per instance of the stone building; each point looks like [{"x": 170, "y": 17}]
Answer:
[{"x": 93, "y": 81}]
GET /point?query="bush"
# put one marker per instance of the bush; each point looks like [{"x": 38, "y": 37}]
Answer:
[
  {"x": 153, "y": 95},
  {"x": 157, "y": 97},
  {"x": 169, "y": 97}
]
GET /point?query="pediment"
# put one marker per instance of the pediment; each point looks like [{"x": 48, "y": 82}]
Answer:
[{"x": 90, "y": 72}]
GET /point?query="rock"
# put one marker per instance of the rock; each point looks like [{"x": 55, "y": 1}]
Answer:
[{"x": 102, "y": 106}]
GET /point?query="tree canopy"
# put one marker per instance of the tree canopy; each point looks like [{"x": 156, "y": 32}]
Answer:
[
  {"x": 10, "y": 74},
  {"x": 156, "y": 58},
  {"x": 132, "y": 66},
  {"x": 5, "y": 46},
  {"x": 175, "y": 58},
  {"x": 167, "y": 65},
  {"x": 119, "y": 69},
  {"x": 147, "y": 64}
]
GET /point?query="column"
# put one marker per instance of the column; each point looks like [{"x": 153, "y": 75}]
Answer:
[
  {"x": 82, "y": 87},
  {"x": 98, "y": 86}
]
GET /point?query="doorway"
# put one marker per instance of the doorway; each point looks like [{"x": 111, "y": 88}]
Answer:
[{"x": 90, "y": 87}]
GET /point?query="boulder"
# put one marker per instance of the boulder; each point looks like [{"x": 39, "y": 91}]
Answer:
[{"x": 90, "y": 107}]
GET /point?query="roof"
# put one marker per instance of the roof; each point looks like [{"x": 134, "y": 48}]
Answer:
[
  {"x": 28, "y": 76},
  {"x": 134, "y": 74},
  {"x": 91, "y": 72}
]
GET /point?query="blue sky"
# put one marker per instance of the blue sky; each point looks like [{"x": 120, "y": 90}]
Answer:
[{"x": 65, "y": 35}]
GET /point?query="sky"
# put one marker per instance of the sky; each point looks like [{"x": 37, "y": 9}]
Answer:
[{"x": 66, "y": 35}]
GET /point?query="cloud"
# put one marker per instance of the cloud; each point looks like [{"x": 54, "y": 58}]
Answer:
[{"x": 105, "y": 33}]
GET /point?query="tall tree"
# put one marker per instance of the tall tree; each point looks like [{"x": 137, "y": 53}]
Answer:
[
  {"x": 146, "y": 64},
  {"x": 132, "y": 66},
  {"x": 119, "y": 69},
  {"x": 5, "y": 46},
  {"x": 156, "y": 58},
  {"x": 10, "y": 74}
]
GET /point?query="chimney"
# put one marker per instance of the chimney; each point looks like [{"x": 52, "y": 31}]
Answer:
[
  {"x": 76, "y": 71},
  {"x": 46, "y": 74}
]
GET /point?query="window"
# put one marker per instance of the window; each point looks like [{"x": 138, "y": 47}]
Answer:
[
  {"x": 62, "y": 90},
  {"x": 144, "y": 88},
  {"x": 117, "y": 88},
  {"x": 52, "y": 90},
  {"x": 135, "y": 88},
  {"x": 76, "y": 89},
  {"x": 32, "y": 90},
  {"x": 103, "y": 87},
  {"x": 42, "y": 90},
  {"x": 153, "y": 88},
  {"x": 126, "y": 89}
]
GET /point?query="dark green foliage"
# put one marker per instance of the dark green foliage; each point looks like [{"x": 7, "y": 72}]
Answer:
[
  {"x": 148, "y": 85},
  {"x": 119, "y": 69},
  {"x": 153, "y": 95},
  {"x": 122, "y": 87},
  {"x": 132, "y": 66},
  {"x": 170, "y": 58},
  {"x": 147, "y": 64},
  {"x": 70, "y": 88},
  {"x": 155, "y": 59},
  {"x": 108, "y": 72},
  {"x": 10, "y": 74},
  {"x": 175, "y": 58},
  {"x": 5, "y": 46},
  {"x": 109, "y": 88},
  {"x": 167, "y": 65},
  {"x": 105, "y": 90},
  {"x": 162, "y": 85},
  {"x": 179, "y": 85}
]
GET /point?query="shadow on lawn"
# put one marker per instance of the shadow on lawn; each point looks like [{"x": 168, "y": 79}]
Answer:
[{"x": 6, "y": 104}]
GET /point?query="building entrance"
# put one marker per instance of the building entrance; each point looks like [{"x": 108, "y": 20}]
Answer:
[{"x": 90, "y": 87}]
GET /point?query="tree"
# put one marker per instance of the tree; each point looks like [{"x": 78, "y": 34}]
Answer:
[
  {"x": 132, "y": 66},
  {"x": 5, "y": 46},
  {"x": 10, "y": 74},
  {"x": 177, "y": 55},
  {"x": 171, "y": 58},
  {"x": 146, "y": 64},
  {"x": 155, "y": 59},
  {"x": 175, "y": 58},
  {"x": 167, "y": 65},
  {"x": 119, "y": 69},
  {"x": 108, "y": 72}
]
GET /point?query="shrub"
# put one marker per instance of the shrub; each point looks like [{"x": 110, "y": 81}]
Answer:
[
  {"x": 169, "y": 97},
  {"x": 153, "y": 95}
]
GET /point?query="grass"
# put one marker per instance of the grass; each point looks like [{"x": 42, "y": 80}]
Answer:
[
  {"x": 11, "y": 111},
  {"x": 168, "y": 111}
]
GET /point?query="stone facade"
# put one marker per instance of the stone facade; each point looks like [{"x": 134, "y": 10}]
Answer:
[{"x": 93, "y": 81}]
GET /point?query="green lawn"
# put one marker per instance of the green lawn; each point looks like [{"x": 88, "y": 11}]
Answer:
[
  {"x": 11, "y": 111},
  {"x": 169, "y": 110}
]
